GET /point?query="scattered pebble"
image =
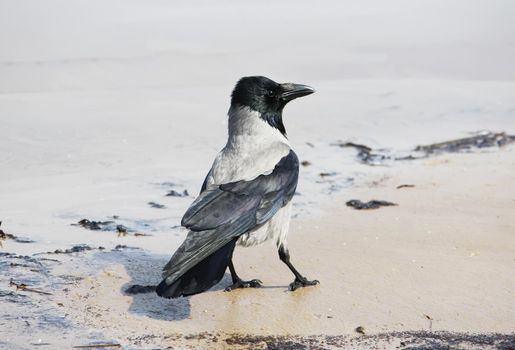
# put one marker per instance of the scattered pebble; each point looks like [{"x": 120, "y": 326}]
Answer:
[
  {"x": 360, "y": 330},
  {"x": 122, "y": 230}
]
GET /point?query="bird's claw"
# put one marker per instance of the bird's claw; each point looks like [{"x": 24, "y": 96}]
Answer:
[
  {"x": 244, "y": 284},
  {"x": 302, "y": 282}
]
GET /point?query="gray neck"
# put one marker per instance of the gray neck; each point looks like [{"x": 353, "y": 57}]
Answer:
[{"x": 246, "y": 125}]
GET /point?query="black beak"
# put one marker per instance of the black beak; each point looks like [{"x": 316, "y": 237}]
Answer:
[{"x": 291, "y": 91}]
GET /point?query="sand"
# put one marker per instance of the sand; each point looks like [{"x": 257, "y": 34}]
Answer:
[
  {"x": 106, "y": 106},
  {"x": 441, "y": 260}
]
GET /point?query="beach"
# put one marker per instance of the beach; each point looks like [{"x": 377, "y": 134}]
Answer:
[
  {"x": 434, "y": 262},
  {"x": 441, "y": 260},
  {"x": 116, "y": 117}
]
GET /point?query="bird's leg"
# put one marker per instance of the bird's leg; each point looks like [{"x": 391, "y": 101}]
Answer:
[
  {"x": 237, "y": 282},
  {"x": 300, "y": 281}
]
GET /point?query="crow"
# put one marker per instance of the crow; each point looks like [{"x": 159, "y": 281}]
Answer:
[{"x": 246, "y": 196}]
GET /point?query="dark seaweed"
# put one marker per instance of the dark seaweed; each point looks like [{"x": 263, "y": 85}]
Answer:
[
  {"x": 401, "y": 340},
  {"x": 4, "y": 236},
  {"x": 75, "y": 249},
  {"x": 406, "y": 340},
  {"x": 156, "y": 205},
  {"x": 93, "y": 225},
  {"x": 108, "y": 226},
  {"x": 365, "y": 153},
  {"x": 489, "y": 139},
  {"x": 405, "y": 186},
  {"x": 25, "y": 258},
  {"x": 322, "y": 175},
  {"x": 174, "y": 193},
  {"x": 373, "y": 204},
  {"x": 25, "y": 287},
  {"x": 122, "y": 247}
]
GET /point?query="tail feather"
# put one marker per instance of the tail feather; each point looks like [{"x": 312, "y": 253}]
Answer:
[{"x": 200, "y": 277}]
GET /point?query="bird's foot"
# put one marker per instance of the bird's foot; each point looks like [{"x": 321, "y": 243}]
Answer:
[
  {"x": 244, "y": 284},
  {"x": 302, "y": 282}
]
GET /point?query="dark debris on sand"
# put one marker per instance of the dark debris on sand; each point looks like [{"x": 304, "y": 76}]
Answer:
[
  {"x": 123, "y": 246},
  {"x": 373, "y": 204},
  {"x": 85, "y": 248},
  {"x": 10, "y": 263},
  {"x": 401, "y": 340},
  {"x": 121, "y": 230},
  {"x": 409, "y": 340},
  {"x": 405, "y": 186},
  {"x": 484, "y": 140},
  {"x": 366, "y": 154},
  {"x": 488, "y": 139},
  {"x": 75, "y": 249},
  {"x": 4, "y": 236},
  {"x": 327, "y": 174},
  {"x": 27, "y": 288},
  {"x": 174, "y": 193},
  {"x": 156, "y": 205},
  {"x": 94, "y": 225}
]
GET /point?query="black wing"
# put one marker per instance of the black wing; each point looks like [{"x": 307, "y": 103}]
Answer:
[{"x": 224, "y": 212}]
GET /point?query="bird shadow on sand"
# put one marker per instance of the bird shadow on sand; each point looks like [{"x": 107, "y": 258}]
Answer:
[{"x": 144, "y": 271}]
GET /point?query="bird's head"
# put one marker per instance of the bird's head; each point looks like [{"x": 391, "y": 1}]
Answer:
[{"x": 267, "y": 97}]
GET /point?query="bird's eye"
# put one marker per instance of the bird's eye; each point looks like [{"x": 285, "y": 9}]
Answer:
[{"x": 270, "y": 93}]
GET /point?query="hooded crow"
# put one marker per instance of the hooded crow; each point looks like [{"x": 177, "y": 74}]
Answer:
[{"x": 246, "y": 196}]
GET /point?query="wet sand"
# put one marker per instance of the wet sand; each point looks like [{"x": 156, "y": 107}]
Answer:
[{"x": 442, "y": 260}]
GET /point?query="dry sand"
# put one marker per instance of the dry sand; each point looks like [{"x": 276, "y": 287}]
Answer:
[{"x": 442, "y": 260}]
